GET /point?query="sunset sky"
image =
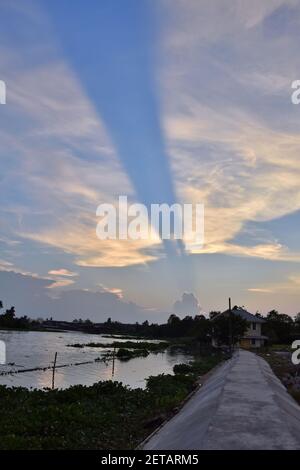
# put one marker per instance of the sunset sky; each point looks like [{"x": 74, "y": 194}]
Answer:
[{"x": 163, "y": 101}]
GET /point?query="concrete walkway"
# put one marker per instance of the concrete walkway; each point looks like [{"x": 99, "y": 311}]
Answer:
[{"x": 241, "y": 406}]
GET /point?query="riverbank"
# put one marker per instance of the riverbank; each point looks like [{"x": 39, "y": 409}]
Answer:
[
  {"x": 280, "y": 361},
  {"x": 106, "y": 415}
]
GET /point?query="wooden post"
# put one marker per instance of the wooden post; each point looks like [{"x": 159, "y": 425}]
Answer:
[
  {"x": 53, "y": 372},
  {"x": 113, "y": 364}
]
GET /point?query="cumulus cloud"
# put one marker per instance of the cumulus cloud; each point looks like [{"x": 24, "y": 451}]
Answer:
[{"x": 188, "y": 305}]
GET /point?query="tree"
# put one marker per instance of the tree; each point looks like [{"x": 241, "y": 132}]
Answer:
[
  {"x": 229, "y": 327},
  {"x": 173, "y": 319},
  {"x": 10, "y": 312},
  {"x": 202, "y": 331},
  {"x": 7, "y": 319},
  {"x": 278, "y": 327},
  {"x": 213, "y": 314}
]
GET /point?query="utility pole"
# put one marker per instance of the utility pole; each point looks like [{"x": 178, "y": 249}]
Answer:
[{"x": 230, "y": 327}]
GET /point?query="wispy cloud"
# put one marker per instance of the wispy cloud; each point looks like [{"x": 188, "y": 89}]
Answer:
[
  {"x": 226, "y": 147},
  {"x": 61, "y": 283},
  {"x": 260, "y": 290},
  {"x": 290, "y": 285},
  {"x": 62, "y": 272},
  {"x": 61, "y": 159},
  {"x": 113, "y": 290}
]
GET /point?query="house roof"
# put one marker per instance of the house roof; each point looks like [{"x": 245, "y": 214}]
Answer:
[{"x": 244, "y": 314}]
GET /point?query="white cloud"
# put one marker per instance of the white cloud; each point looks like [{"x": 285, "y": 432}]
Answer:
[
  {"x": 188, "y": 305},
  {"x": 113, "y": 290},
  {"x": 290, "y": 284},
  {"x": 231, "y": 147},
  {"x": 61, "y": 283},
  {"x": 61, "y": 159},
  {"x": 62, "y": 272}
]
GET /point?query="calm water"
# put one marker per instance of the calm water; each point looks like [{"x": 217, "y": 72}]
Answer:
[{"x": 36, "y": 349}]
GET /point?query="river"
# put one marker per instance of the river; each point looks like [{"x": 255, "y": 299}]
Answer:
[{"x": 31, "y": 349}]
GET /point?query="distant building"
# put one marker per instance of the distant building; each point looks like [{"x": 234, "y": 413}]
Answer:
[{"x": 253, "y": 337}]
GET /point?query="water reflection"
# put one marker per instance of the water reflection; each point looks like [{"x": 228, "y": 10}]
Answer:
[{"x": 37, "y": 349}]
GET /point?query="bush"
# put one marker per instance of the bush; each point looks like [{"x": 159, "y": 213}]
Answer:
[
  {"x": 182, "y": 369},
  {"x": 126, "y": 354},
  {"x": 199, "y": 366}
]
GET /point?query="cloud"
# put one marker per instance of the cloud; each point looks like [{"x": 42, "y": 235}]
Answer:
[
  {"x": 290, "y": 284},
  {"x": 188, "y": 305},
  {"x": 61, "y": 159},
  {"x": 78, "y": 237},
  {"x": 61, "y": 283},
  {"x": 54, "y": 280},
  {"x": 229, "y": 124},
  {"x": 113, "y": 290},
  {"x": 295, "y": 279},
  {"x": 31, "y": 296},
  {"x": 260, "y": 290},
  {"x": 62, "y": 272},
  {"x": 11, "y": 267},
  {"x": 5, "y": 265}
]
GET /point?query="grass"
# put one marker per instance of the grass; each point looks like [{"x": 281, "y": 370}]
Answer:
[
  {"x": 107, "y": 415},
  {"x": 197, "y": 367},
  {"x": 282, "y": 366},
  {"x": 280, "y": 347}
]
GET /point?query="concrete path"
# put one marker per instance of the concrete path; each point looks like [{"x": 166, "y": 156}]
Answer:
[{"x": 241, "y": 406}]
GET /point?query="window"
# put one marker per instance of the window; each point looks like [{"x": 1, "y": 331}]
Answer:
[
  {"x": 253, "y": 326},
  {"x": 253, "y": 342}
]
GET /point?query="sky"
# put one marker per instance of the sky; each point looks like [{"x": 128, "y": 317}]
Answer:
[{"x": 163, "y": 101}]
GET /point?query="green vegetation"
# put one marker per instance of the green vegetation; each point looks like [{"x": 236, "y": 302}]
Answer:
[
  {"x": 106, "y": 415},
  {"x": 199, "y": 366},
  {"x": 125, "y": 337},
  {"x": 144, "y": 345},
  {"x": 126, "y": 350},
  {"x": 278, "y": 327},
  {"x": 228, "y": 329},
  {"x": 279, "y": 359},
  {"x": 9, "y": 320},
  {"x": 281, "y": 328},
  {"x": 126, "y": 354}
]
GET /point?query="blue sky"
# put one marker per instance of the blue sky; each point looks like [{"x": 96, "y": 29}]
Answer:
[{"x": 164, "y": 101}]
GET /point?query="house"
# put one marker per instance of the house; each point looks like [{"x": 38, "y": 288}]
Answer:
[{"x": 253, "y": 337}]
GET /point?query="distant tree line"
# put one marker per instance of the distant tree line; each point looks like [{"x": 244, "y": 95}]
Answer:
[
  {"x": 9, "y": 320},
  {"x": 278, "y": 327},
  {"x": 281, "y": 328}
]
